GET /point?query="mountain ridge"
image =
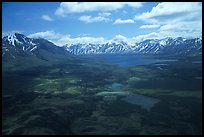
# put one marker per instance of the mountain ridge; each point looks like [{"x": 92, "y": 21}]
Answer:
[
  {"x": 148, "y": 46},
  {"x": 20, "y": 43},
  {"x": 19, "y": 50}
]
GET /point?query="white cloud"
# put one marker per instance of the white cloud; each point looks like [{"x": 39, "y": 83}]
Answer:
[
  {"x": 84, "y": 34},
  {"x": 165, "y": 34},
  {"x": 6, "y": 33},
  {"x": 90, "y": 19},
  {"x": 179, "y": 19},
  {"x": 120, "y": 37},
  {"x": 151, "y": 35},
  {"x": 169, "y": 8},
  {"x": 61, "y": 39},
  {"x": 50, "y": 35},
  {"x": 134, "y": 4},
  {"x": 191, "y": 26},
  {"x": 82, "y": 40},
  {"x": 150, "y": 26},
  {"x": 104, "y": 14},
  {"x": 119, "y": 21},
  {"x": 79, "y": 7},
  {"x": 47, "y": 18},
  {"x": 102, "y": 17}
]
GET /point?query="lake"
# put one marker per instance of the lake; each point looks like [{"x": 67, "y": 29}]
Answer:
[
  {"x": 124, "y": 60},
  {"x": 141, "y": 100}
]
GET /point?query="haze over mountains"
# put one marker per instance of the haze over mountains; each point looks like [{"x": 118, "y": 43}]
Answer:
[
  {"x": 21, "y": 51},
  {"x": 88, "y": 68},
  {"x": 19, "y": 45},
  {"x": 150, "y": 46}
]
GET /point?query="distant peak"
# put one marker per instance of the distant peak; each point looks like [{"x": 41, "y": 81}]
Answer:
[
  {"x": 10, "y": 35},
  {"x": 16, "y": 33}
]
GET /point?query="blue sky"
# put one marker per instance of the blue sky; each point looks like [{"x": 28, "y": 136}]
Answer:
[{"x": 72, "y": 22}]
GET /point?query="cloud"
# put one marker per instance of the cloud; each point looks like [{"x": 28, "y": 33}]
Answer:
[
  {"x": 104, "y": 14},
  {"x": 165, "y": 34},
  {"x": 79, "y": 7},
  {"x": 155, "y": 35},
  {"x": 102, "y": 17},
  {"x": 134, "y": 4},
  {"x": 169, "y": 8},
  {"x": 6, "y": 33},
  {"x": 61, "y": 39},
  {"x": 119, "y": 21},
  {"x": 150, "y": 26},
  {"x": 172, "y": 12},
  {"x": 81, "y": 40},
  {"x": 50, "y": 35},
  {"x": 182, "y": 19},
  {"x": 47, "y": 18},
  {"x": 120, "y": 37},
  {"x": 90, "y": 19},
  {"x": 84, "y": 34},
  {"x": 151, "y": 35}
]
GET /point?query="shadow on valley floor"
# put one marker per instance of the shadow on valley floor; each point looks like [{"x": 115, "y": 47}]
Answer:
[{"x": 88, "y": 98}]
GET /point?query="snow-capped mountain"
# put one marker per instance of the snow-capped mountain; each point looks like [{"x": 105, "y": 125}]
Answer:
[
  {"x": 153, "y": 46},
  {"x": 17, "y": 47},
  {"x": 16, "y": 43}
]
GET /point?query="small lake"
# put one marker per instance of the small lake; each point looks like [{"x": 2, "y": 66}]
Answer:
[
  {"x": 197, "y": 62},
  {"x": 124, "y": 60},
  {"x": 115, "y": 86},
  {"x": 144, "y": 102},
  {"x": 141, "y": 100}
]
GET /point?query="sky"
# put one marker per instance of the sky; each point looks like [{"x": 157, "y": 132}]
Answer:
[{"x": 98, "y": 22}]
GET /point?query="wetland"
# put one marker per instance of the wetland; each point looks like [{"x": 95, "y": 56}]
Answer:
[{"x": 115, "y": 95}]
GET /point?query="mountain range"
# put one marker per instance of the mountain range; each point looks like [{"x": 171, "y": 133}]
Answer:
[
  {"x": 19, "y": 49},
  {"x": 168, "y": 45}
]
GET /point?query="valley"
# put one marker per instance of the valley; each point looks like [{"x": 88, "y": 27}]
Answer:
[
  {"x": 102, "y": 68},
  {"x": 64, "y": 97}
]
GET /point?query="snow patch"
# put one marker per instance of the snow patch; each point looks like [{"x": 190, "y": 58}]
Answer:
[
  {"x": 162, "y": 42},
  {"x": 159, "y": 68},
  {"x": 33, "y": 48},
  {"x": 12, "y": 39},
  {"x": 156, "y": 50},
  {"x": 33, "y": 44}
]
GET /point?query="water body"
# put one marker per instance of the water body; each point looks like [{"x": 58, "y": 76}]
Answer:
[
  {"x": 137, "y": 99},
  {"x": 198, "y": 78},
  {"x": 124, "y": 60},
  {"x": 115, "y": 86},
  {"x": 116, "y": 93},
  {"x": 160, "y": 64},
  {"x": 134, "y": 79},
  {"x": 197, "y": 62},
  {"x": 143, "y": 101}
]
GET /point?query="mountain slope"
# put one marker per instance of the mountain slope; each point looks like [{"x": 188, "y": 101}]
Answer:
[
  {"x": 177, "y": 46},
  {"x": 19, "y": 50}
]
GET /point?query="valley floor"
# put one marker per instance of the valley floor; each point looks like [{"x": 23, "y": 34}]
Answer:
[{"x": 100, "y": 98}]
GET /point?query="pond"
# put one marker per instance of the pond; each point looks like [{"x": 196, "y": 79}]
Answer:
[
  {"x": 115, "y": 86},
  {"x": 141, "y": 100}
]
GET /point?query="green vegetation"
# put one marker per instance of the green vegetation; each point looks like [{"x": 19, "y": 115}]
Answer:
[{"x": 62, "y": 99}]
